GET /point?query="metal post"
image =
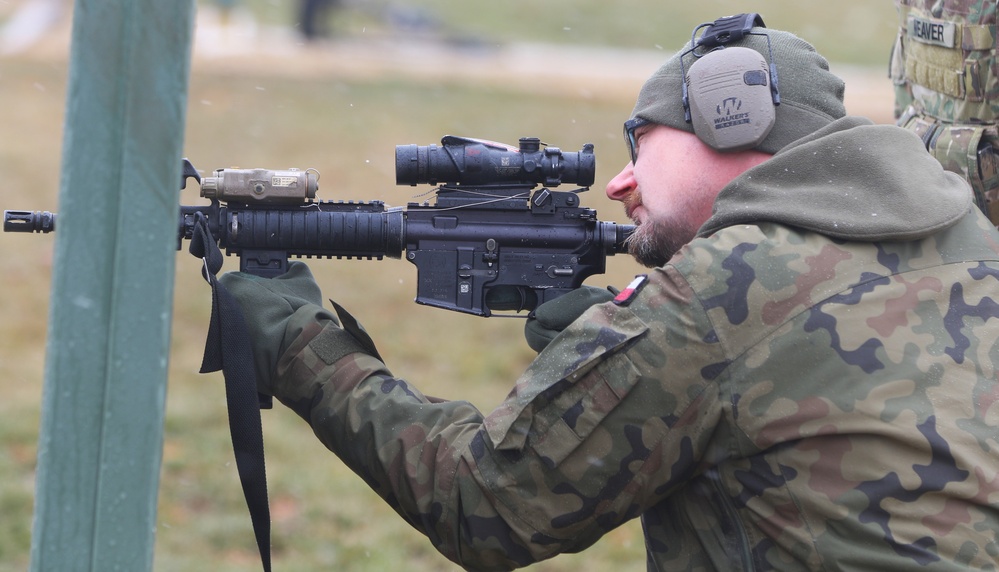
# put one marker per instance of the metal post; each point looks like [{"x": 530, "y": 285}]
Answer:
[{"x": 112, "y": 288}]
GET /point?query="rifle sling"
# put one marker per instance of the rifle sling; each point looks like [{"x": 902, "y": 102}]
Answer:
[{"x": 228, "y": 348}]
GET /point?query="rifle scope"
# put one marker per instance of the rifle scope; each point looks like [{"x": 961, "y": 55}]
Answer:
[{"x": 476, "y": 162}]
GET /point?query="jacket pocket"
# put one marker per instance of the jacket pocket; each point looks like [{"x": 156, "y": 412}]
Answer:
[{"x": 566, "y": 393}]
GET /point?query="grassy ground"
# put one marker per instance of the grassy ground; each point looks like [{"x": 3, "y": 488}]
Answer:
[
  {"x": 346, "y": 127},
  {"x": 641, "y": 24}
]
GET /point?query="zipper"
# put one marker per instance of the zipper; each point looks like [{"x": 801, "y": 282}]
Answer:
[{"x": 728, "y": 508}]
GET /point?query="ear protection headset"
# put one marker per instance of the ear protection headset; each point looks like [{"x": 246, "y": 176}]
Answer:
[{"x": 730, "y": 94}]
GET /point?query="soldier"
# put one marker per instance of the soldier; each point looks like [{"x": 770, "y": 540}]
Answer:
[
  {"x": 804, "y": 379},
  {"x": 943, "y": 65}
]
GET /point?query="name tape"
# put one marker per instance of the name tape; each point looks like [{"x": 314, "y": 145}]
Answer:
[{"x": 933, "y": 32}]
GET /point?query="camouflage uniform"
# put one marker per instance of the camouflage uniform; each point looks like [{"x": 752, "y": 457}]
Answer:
[
  {"x": 808, "y": 385},
  {"x": 947, "y": 88}
]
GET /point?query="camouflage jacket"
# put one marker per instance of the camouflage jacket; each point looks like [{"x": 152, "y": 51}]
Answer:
[{"x": 808, "y": 385}]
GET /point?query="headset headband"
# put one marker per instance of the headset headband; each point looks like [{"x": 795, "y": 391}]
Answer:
[{"x": 727, "y": 29}]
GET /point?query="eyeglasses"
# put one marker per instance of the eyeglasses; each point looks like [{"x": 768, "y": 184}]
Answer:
[{"x": 629, "y": 135}]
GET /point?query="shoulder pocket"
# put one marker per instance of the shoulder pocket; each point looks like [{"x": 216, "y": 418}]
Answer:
[{"x": 569, "y": 388}]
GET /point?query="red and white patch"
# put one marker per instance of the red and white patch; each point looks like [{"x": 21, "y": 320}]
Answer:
[{"x": 628, "y": 294}]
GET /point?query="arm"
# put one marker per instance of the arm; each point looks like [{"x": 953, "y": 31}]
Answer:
[{"x": 594, "y": 433}]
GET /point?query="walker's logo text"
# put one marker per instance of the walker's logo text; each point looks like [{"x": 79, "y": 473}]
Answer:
[{"x": 730, "y": 113}]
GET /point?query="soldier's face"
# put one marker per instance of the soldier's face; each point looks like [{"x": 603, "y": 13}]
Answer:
[
  {"x": 670, "y": 189},
  {"x": 667, "y": 192}
]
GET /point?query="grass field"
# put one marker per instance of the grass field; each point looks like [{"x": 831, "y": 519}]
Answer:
[{"x": 347, "y": 127}]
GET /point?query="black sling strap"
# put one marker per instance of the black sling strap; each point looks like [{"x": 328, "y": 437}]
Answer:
[{"x": 228, "y": 348}]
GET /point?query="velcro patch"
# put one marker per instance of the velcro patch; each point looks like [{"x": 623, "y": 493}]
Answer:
[
  {"x": 334, "y": 343},
  {"x": 933, "y": 32}
]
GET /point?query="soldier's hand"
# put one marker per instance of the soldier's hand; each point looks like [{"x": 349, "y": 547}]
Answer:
[
  {"x": 276, "y": 310},
  {"x": 549, "y": 319}
]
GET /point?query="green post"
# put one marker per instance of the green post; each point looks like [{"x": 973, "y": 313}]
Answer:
[{"x": 112, "y": 288}]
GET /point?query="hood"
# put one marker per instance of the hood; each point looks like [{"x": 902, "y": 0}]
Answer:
[{"x": 852, "y": 180}]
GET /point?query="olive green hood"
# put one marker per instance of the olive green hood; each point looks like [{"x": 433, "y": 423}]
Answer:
[{"x": 852, "y": 180}]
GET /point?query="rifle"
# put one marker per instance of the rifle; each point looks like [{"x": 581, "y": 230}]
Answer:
[{"x": 490, "y": 240}]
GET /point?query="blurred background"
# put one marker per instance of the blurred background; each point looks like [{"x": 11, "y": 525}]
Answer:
[{"x": 335, "y": 86}]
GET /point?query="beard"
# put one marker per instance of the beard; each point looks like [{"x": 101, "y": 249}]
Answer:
[{"x": 656, "y": 240}]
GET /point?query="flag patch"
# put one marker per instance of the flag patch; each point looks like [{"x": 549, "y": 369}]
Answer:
[{"x": 628, "y": 294}]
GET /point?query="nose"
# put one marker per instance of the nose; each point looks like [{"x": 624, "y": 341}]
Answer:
[{"x": 623, "y": 184}]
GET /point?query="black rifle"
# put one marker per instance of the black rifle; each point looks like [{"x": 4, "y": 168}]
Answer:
[{"x": 491, "y": 240}]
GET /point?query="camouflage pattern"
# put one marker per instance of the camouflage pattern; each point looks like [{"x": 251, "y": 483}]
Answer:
[
  {"x": 772, "y": 399},
  {"x": 944, "y": 69},
  {"x": 946, "y": 50}
]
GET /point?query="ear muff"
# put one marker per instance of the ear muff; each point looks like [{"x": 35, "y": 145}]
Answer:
[
  {"x": 730, "y": 93},
  {"x": 729, "y": 99}
]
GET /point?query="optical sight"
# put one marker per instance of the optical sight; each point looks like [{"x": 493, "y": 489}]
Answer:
[{"x": 465, "y": 161}]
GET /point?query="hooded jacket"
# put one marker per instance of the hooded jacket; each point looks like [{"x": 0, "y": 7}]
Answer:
[{"x": 810, "y": 384}]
